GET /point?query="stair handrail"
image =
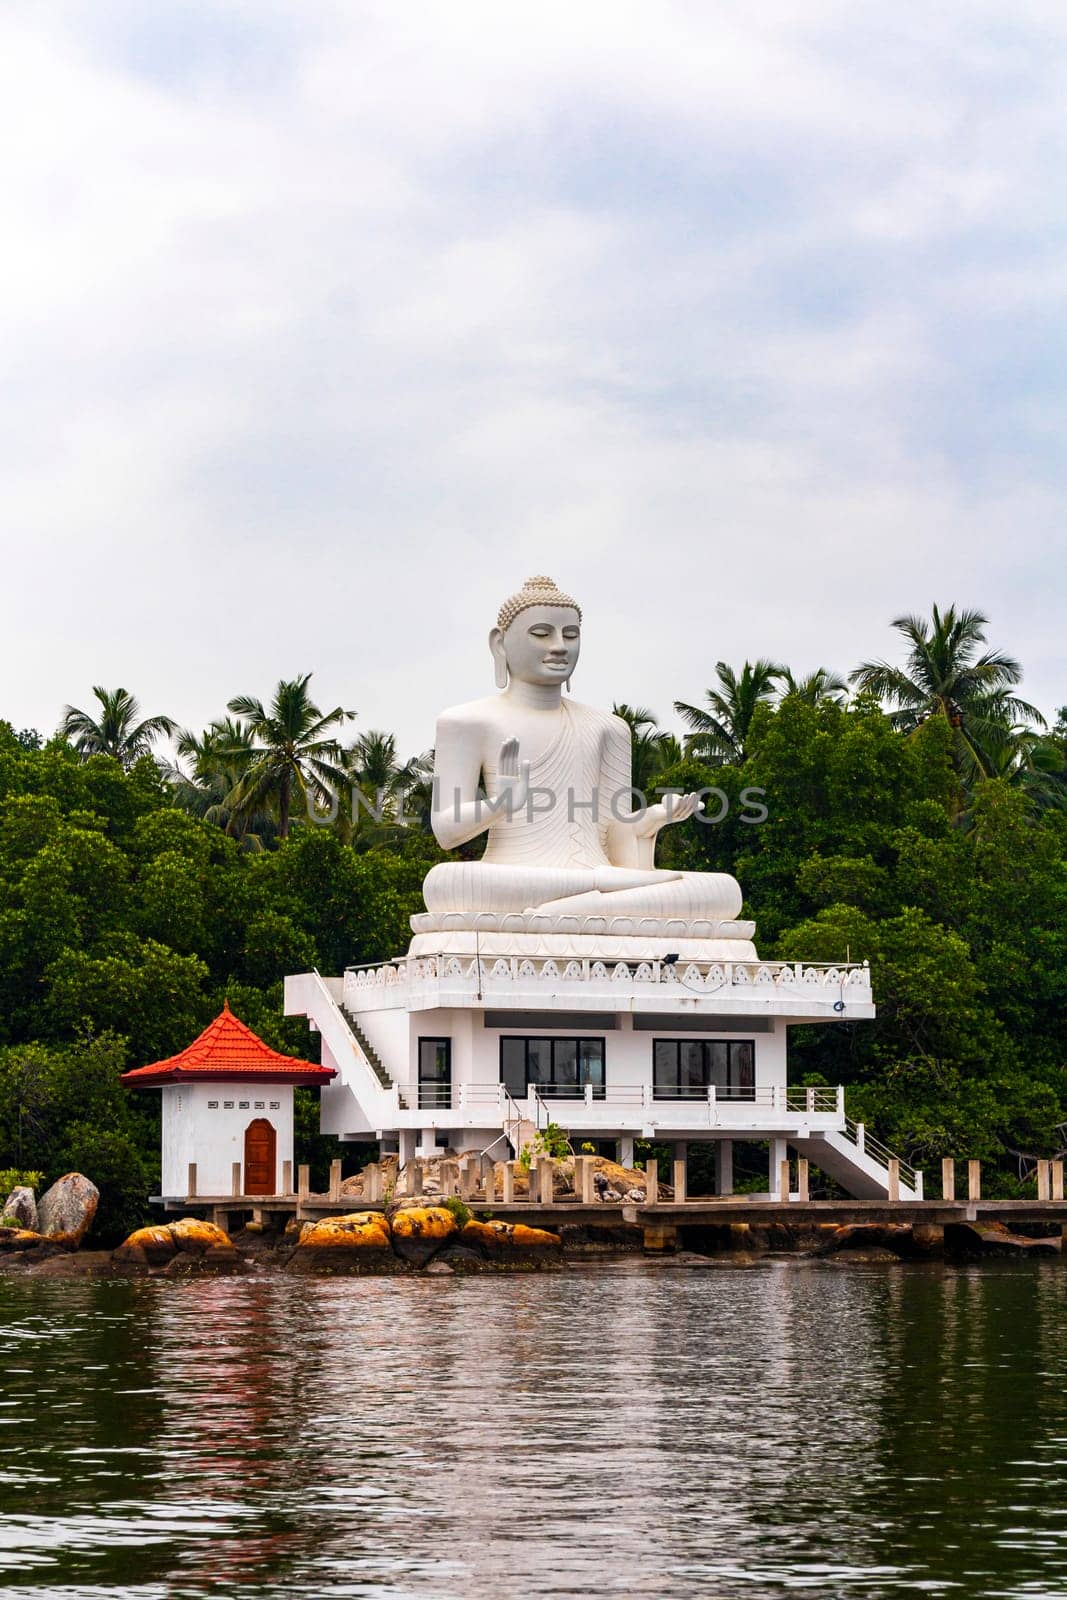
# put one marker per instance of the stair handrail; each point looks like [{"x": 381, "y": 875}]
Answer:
[
  {"x": 353, "y": 1041},
  {"x": 880, "y": 1153}
]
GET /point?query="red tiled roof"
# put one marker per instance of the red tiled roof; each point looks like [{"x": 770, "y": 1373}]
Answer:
[{"x": 228, "y": 1049}]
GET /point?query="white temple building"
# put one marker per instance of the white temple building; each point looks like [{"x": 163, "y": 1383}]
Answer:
[{"x": 563, "y": 976}]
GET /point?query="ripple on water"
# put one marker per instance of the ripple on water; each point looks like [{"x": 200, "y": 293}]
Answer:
[{"x": 869, "y": 1433}]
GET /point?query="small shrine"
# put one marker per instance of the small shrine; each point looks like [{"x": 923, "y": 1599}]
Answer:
[{"x": 227, "y": 1111}]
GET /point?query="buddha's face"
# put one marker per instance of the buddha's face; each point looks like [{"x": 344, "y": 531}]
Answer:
[{"x": 541, "y": 645}]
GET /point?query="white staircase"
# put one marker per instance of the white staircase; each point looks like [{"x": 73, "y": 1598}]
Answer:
[{"x": 859, "y": 1163}]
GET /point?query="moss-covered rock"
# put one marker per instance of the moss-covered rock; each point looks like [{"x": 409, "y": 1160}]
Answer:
[
  {"x": 420, "y": 1231},
  {"x": 507, "y": 1245},
  {"x": 357, "y": 1243}
]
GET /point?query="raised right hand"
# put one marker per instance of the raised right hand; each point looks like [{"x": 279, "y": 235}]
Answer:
[{"x": 513, "y": 779}]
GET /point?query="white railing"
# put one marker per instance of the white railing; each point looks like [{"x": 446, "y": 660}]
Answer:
[
  {"x": 857, "y": 1134},
  {"x": 707, "y": 977}
]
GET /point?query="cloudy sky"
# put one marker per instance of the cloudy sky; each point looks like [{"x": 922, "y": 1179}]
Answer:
[{"x": 323, "y": 325}]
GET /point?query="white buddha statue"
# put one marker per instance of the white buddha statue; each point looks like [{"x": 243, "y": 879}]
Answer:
[{"x": 569, "y": 861}]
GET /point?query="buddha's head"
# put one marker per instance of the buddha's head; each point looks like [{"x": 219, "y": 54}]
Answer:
[{"x": 537, "y": 636}]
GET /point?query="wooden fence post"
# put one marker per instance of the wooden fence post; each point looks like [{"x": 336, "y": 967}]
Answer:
[
  {"x": 681, "y": 1176},
  {"x": 1057, "y": 1180},
  {"x": 287, "y": 1177},
  {"x": 974, "y": 1180},
  {"x": 785, "y": 1182},
  {"x": 1044, "y": 1180},
  {"x": 507, "y": 1186},
  {"x": 190, "y": 1182},
  {"x": 303, "y": 1181},
  {"x": 651, "y": 1183},
  {"x": 335, "y": 1180},
  {"x": 893, "y": 1179},
  {"x": 948, "y": 1178},
  {"x": 802, "y": 1179}
]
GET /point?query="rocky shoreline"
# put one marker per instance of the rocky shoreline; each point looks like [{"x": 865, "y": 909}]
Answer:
[{"x": 447, "y": 1241}]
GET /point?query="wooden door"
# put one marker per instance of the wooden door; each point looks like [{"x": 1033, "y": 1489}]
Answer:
[{"x": 261, "y": 1158}]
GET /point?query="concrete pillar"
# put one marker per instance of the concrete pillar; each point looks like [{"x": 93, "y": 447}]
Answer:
[
  {"x": 724, "y": 1164},
  {"x": 507, "y": 1195},
  {"x": 584, "y": 1186},
  {"x": 303, "y": 1181},
  {"x": 948, "y": 1178},
  {"x": 287, "y": 1177},
  {"x": 190, "y": 1182},
  {"x": 779, "y": 1152},
  {"x": 235, "y": 1177},
  {"x": 409, "y": 1140},
  {"x": 681, "y": 1171},
  {"x": 626, "y": 1151},
  {"x": 415, "y": 1177},
  {"x": 893, "y": 1180},
  {"x": 468, "y": 1177},
  {"x": 974, "y": 1180},
  {"x": 545, "y": 1181},
  {"x": 651, "y": 1182},
  {"x": 802, "y": 1179},
  {"x": 449, "y": 1178},
  {"x": 489, "y": 1182},
  {"x": 372, "y": 1183},
  {"x": 335, "y": 1180},
  {"x": 1057, "y": 1180}
]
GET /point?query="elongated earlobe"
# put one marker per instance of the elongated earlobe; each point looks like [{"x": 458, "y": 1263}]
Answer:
[
  {"x": 500, "y": 672},
  {"x": 569, "y": 689}
]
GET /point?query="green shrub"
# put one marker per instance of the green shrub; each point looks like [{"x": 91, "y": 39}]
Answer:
[
  {"x": 18, "y": 1178},
  {"x": 461, "y": 1212}
]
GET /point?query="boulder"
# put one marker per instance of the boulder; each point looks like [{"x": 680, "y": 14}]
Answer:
[
  {"x": 893, "y": 1237},
  {"x": 146, "y": 1247},
  {"x": 188, "y": 1245},
  {"x": 356, "y": 1243},
  {"x": 194, "y": 1237},
  {"x": 22, "y": 1207},
  {"x": 419, "y": 1232},
  {"x": 993, "y": 1238},
  {"x": 66, "y": 1211},
  {"x": 509, "y": 1245},
  {"x": 22, "y": 1239}
]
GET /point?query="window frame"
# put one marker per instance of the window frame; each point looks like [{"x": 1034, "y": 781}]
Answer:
[
  {"x": 555, "y": 1088},
  {"x": 443, "y": 1102},
  {"x": 734, "y": 1088}
]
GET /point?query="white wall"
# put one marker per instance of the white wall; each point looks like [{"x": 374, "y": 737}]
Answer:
[
  {"x": 206, "y": 1122},
  {"x": 627, "y": 1052}
]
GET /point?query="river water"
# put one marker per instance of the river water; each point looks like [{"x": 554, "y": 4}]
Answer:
[{"x": 624, "y": 1430}]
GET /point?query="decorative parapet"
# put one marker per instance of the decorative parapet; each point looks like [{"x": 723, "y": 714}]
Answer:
[{"x": 462, "y": 979}]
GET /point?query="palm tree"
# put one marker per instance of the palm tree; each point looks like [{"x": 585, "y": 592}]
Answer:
[
  {"x": 383, "y": 781},
  {"x": 822, "y": 684},
  {"x": 116, "y": 731},
  {"x": 652, "y": 749},
  {"x": 294, "y": 752},
  {"x": 719, "y": 730},
  {"x": 219, "y": 757},
  {"x": 945, "y": 676}
]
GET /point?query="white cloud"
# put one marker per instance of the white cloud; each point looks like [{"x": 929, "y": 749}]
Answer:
[{"x": 324, "y": 325}]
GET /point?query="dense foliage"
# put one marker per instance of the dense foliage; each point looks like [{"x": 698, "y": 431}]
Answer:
[{"x": 134, "y": 898}]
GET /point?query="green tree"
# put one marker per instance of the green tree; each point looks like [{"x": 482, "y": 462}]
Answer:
[
  {"x": 295, "y": 754},
  {"x": 719, "y": 729},
  {"x": 116, "y": 729},
  {"x": 945, "y": 676}
]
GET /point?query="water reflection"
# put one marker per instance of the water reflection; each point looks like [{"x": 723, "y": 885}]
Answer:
[{"x": 865, "y": 1431}]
